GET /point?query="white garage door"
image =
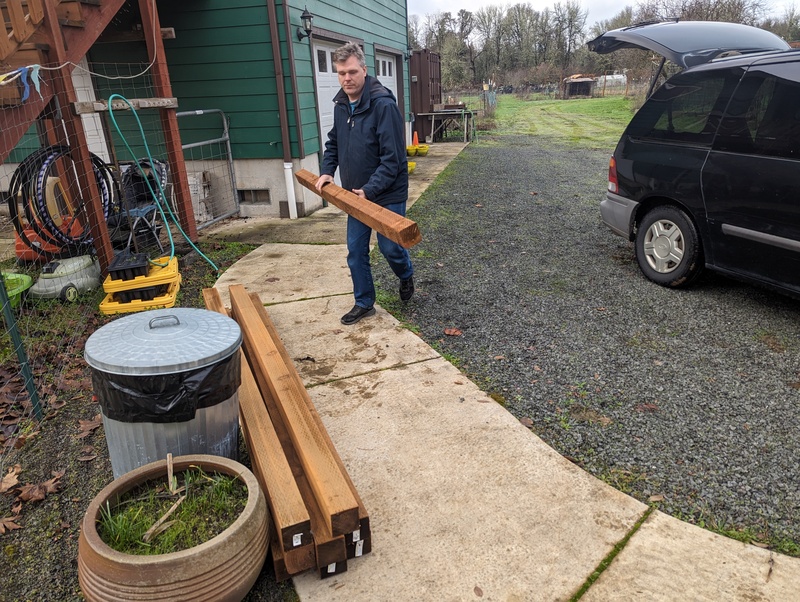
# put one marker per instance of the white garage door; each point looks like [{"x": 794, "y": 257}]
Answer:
[
  {"x": 327, "y": 87},
  {"x": 386, "y": 72}
]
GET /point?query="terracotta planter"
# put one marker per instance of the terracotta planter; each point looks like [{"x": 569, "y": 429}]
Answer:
[{"x": 223, "y": 568}]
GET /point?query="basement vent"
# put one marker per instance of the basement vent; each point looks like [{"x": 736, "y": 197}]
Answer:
[{"x": 255, "y": 196}]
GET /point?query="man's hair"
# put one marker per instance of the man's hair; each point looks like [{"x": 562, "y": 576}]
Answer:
[{"x": 341, "y": 54}]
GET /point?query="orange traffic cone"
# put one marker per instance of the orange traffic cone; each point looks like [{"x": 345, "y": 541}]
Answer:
[{"x": 416, "y": 139}]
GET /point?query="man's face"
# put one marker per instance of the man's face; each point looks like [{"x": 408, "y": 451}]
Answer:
[{"x": 351, "y": 77}]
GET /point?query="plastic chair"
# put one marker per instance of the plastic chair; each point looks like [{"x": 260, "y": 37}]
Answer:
[
  {"x": 144, "y": 221},
  {"x": 140, "y": 207}
]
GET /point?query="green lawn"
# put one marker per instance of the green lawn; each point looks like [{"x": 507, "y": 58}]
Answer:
[{"x": 586, "y": 122}]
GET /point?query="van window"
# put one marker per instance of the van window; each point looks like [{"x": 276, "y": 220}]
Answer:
[
  {"x": 686, "y": 109},
  {"x": 771, "y": 94}
]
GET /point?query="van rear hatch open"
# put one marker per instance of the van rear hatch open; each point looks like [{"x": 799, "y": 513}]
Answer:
[{"x": 689, "y": 43}]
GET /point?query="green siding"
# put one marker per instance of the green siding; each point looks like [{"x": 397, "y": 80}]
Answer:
[{"x": 221, "y": 58}]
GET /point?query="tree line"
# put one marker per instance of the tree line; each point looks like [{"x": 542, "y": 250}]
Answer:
[{"x": 520, "y": 46}]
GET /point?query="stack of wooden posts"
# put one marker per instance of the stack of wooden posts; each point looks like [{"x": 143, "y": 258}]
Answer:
[{"x": 319, "y": 519}]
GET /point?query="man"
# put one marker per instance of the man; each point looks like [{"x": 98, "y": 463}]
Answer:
[{"x": 367, "y": 144}]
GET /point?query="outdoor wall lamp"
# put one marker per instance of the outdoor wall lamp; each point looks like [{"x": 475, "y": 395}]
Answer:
[{"x": 305, "y": 30}]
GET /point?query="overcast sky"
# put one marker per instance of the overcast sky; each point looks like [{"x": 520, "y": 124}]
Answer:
[{"x": 599, "y": 10}]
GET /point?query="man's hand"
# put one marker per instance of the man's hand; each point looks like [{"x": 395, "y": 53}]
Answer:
[
  {"x": 323, "y": 179},
  {"x": 359, "y": 192}
]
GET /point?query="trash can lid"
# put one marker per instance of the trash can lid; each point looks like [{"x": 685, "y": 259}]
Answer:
[{"x": 162, "y": 341}]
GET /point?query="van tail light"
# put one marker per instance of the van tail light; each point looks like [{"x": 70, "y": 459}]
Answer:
[{"x": 613, "y": 184}]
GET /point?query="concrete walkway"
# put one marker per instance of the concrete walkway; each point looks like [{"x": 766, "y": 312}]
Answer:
[{"x": 465, "y": 502}]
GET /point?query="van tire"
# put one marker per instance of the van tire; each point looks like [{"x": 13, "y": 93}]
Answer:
[{"x": 668, "y": 248}]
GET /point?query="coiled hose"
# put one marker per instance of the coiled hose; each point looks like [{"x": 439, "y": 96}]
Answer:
[{"x": 30, "y": 212}]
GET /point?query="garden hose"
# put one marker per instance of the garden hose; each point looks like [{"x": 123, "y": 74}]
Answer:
[
  {"x": 30, "y": 212},
  {"x": 160, "y": 198}
]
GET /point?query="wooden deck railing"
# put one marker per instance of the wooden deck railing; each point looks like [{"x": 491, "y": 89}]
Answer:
[{"x": 20, "y": 19}]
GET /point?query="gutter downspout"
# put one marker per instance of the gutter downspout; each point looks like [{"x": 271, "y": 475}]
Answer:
[{"x": 283, "y": 113}]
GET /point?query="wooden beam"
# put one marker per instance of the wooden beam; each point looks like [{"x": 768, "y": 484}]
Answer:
[
  {"x": 169, "y": 119},
  {"x": 395, "y": 227},
  {"x": 79, "y": 148},
  {"x": 97, "y": 106},
  {"x": 330, "y": 488},
  {"x": 359, "y": 541},
  {"x": 330, "y": 551},
  {"x": 113, "y": 37},
  {"x": 288, "y": 510}
]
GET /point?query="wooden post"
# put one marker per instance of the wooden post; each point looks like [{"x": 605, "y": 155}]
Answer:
[
  {"x": 395, "y": 227},
  {"x": 330, "y": 489},
  {"x": 79, "y": 148},
  {"x": 359, "y": 541},
  {"x": 169, "y": 119},
  {"x": 288, "y": 510}
]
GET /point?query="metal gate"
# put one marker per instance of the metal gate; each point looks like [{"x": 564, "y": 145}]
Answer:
[{"x": 209, "y": 167}]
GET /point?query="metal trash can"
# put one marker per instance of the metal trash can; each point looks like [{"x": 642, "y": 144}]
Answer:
[{"x": 167, "y": 381}]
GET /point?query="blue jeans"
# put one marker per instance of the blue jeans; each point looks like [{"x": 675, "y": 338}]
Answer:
[{"x": 358, "y": 236}]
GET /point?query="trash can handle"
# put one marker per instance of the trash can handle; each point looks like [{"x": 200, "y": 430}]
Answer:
[{"x": 159, "y": 318}]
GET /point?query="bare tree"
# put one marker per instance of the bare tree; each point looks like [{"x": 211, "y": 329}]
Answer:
[
  {"x": 748, "y": 12},
  {"x": 520, "y": 27},
  {"x": 416, "y": 35},
  {"x": 489, "y": 26},
  {"x": 569, "y": 21}
]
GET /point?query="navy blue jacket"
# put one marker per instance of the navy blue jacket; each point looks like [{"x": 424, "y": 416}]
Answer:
[{"x": 369, "y": 145}]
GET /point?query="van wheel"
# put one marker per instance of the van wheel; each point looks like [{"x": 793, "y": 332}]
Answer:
[{"x": 668, "y": 248}]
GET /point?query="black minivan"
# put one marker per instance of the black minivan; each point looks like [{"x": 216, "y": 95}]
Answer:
[{"x": 707, "y": 173}]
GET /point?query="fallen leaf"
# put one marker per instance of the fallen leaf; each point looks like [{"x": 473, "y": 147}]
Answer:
[
  {"x": 273, "y": 279},
  {"x": 534, "y": 193},
  {"x": 453, "y": 332},
  {"x": 478, "y": 205},
  {"x": 56, "y": 404},
  {"x": 8, "y": 524},
  {"x": 526, "y": 422},
  {"x": 89, "y": 426},
  {"x": 757, "y": 544},
  {"x": 10, "y": 479},
  {"x": 656, "y": 498},
  {"x": 499, "y": 357},
  {"x": 38, "y": 491},
  {"x": 32, "y": 493},
  {"x": 537, "y": 368},
  {"x": 478, "y": 592},
  {"x": 646, "y": 407},
  {"x": 87, "y": 458}
]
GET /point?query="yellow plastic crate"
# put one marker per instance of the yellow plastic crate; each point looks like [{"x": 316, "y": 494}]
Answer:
[
  {"x": 155, "y": 276},
  {"x": 110, "y": 305}
]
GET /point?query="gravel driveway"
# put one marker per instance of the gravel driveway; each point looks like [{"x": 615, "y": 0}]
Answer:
[{"x": 691, "y": 395}]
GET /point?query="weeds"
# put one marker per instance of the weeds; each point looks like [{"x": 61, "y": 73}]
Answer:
[{"x": 211, "y": 504}]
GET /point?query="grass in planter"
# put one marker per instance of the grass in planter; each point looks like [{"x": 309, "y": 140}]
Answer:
[{"x": 212, "y": 503}]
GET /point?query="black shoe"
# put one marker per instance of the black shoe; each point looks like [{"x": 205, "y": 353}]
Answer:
[
  {"x": 407, "y": 289},
  {"x": 355, "y": 314}
]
